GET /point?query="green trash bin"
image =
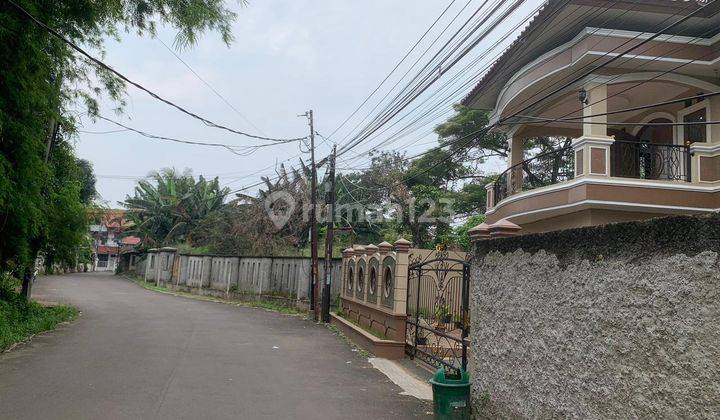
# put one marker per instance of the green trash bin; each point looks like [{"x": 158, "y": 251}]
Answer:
[{"x": 451, "y": 397}]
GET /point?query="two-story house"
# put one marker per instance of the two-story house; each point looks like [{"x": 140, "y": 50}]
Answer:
[
  {"x": 635, "y": 85},
  {"x": 108, "y": 243}
]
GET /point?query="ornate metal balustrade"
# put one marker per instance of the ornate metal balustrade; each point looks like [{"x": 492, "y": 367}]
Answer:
[
  {"x": 650, "y": 161},
  {"x": 539, "y": 171}
]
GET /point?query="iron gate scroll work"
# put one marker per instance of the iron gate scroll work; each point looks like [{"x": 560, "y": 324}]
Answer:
[{"x": 438, "y": 317}]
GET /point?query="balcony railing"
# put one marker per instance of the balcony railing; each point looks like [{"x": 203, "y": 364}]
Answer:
[
  {"x": 669, "y": 162},
  {"x": 539, "y": 171},
  {"x": 628, "y": 159}
]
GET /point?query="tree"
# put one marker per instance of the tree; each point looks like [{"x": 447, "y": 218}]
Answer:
[
  {"x": 66, "y": 218},
  {"x": 469, "y": 135},
  {"x": 42, "y": 79},
  {"x": 169, "y": 205}
]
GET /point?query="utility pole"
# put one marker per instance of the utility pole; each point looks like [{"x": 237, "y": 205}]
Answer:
[
  {"x": 329, "y": 236},
  {"x": 314, "y": 292}
]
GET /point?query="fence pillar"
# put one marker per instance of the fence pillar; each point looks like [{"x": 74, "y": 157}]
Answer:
[
  {"x": 402, "y": 247},
  {"x": 206, "y": 272}
]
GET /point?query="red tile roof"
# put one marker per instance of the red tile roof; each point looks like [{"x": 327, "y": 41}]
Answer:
[
  {"x": 105, "y": 249},
  {"x": 130, "y": 240}
]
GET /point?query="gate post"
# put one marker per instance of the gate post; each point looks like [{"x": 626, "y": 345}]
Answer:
[{"x": 402, "y": 246}]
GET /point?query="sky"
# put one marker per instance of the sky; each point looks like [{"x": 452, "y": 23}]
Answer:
[{"x": 287, "y": 57}]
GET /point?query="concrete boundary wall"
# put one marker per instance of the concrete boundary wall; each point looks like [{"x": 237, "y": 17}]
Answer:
[
  {"x": 615, "y": 321},
  {"x": 282, "y": 277}
]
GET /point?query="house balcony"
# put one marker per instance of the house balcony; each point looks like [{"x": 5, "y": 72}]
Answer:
[{"x": 602, "y": 180}]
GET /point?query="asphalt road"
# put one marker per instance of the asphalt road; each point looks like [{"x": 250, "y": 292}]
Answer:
[{"x": 136, "y": 353}]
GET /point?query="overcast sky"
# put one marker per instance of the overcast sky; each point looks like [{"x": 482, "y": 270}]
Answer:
[{"x": 287, "y": 57}]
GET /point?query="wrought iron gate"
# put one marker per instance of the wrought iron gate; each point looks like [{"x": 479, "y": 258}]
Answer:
[{"x": 438, "y": 318}]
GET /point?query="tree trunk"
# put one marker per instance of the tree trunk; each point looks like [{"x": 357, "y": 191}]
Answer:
[{"x": 27, "y": 282}]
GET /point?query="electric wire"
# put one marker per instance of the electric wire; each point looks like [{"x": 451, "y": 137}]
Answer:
[
  {"x": 212, "y": 89},
  {"x": 104, "y": 66}
]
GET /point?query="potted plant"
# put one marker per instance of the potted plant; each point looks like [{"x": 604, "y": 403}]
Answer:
[
  {"x": 421, "y": 337},
  {"x": 458, "y": 322},
  {"x": 442, "y": 316}
]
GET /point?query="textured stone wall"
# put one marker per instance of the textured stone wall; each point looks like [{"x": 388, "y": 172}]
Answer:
[{"x": 614, "y": 328}]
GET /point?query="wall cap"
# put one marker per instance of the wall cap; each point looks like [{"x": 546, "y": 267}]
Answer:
[
  {"x": 385, "y": 247},
  {"x": 582, "y": 141},
  {"x": 481, "y": 231},
  {"x": 402, "y": 244},
  {"x": 371, "y": 249},
  {"x": 705, "y": 147},
  {"x": 504, "y": 228}
]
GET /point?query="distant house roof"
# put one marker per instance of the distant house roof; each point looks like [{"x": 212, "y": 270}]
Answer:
[
  {"x": 130, "y": 240},
  {"x": 105, "y": 249},
  {"x": 112, "y": 219},
  {"x": 559, "y": 21}
]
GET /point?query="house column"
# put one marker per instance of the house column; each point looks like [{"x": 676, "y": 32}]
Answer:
[
  {"x": 490, "y": 196},
  {"x": 705, "y": 164},
  {"x": 592, "y": 149},
  {"x": 516, "y": 155},
  {"x": 705, "y": 157}
]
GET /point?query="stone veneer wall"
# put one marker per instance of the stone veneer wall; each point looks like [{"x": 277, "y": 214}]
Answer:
[{"x": 615, "y": 321}]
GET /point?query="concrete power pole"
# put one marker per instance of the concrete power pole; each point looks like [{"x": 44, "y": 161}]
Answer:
[
  {"x": 314, "y": 291},
  {"x": 329, "y": 236}
]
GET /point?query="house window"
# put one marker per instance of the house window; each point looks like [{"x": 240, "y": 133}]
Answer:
[
  {"x": 102, "y": 260},
  {"x": 691, "y": 132}
]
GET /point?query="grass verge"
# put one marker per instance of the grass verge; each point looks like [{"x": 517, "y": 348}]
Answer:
[
  {"x": 20, "y": 318},
  {"x": 252, "y": 304}
]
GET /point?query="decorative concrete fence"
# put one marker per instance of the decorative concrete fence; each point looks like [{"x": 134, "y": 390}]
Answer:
[
  {"x": 279, "y": 278},
  {"x": 373, "y": 300},
  {"x": 377, "y": 297}
]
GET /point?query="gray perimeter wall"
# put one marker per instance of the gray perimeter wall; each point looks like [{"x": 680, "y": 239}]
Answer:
[
  {"x": 279, "y": 277},
  {"x": 620, "y": 321}
]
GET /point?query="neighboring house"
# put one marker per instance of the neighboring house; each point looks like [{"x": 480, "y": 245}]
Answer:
[
  {"x": 107, "y": 240},
  {"x": 574, "y": 72}
]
